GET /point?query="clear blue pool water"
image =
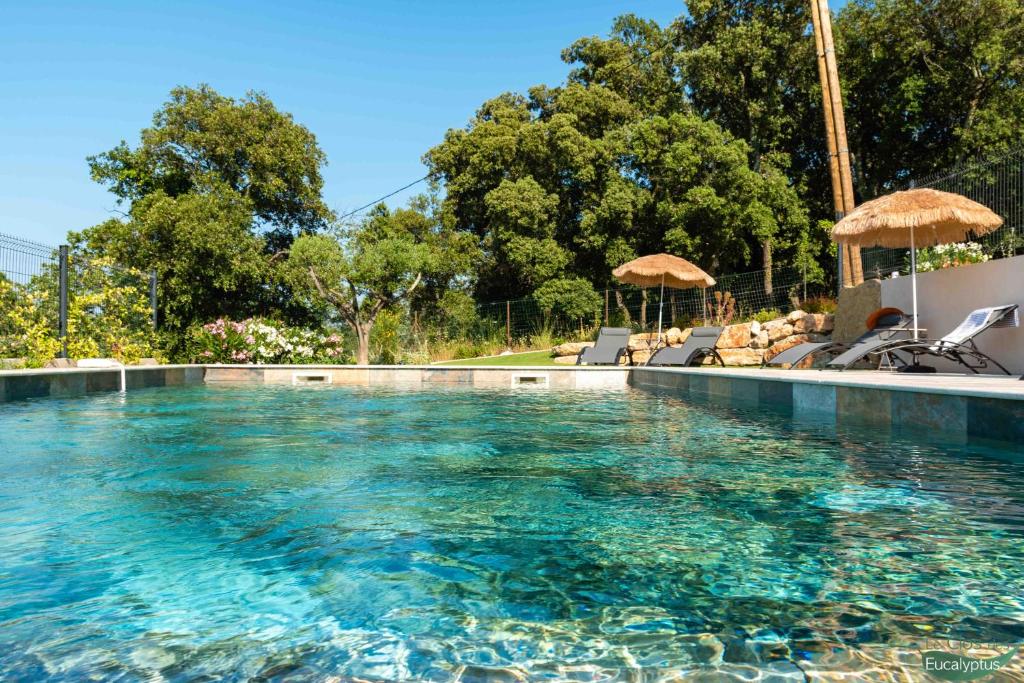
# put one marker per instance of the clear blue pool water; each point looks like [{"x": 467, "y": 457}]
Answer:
[{"x": 300, "y": 534}]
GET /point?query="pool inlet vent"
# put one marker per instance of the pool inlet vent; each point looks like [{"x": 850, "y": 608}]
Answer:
[
  {"x": 539, "y": 380},
  {"x": 306, "y": 377}
]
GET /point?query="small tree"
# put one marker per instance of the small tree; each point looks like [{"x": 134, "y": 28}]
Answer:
[
  {"x": 573, "y": 297},
  {"x": 375, "y": 266}
]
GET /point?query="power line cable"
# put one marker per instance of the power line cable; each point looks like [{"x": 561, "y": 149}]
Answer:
[
  {"x": 375, "y": 202},
  {"x": 634, "y": 62}
]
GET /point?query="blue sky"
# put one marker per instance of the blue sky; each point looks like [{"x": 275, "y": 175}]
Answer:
[{"x": 377, "y": 82}]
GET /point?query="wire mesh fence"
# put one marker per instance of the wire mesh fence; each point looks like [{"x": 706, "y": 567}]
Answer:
[
  {"x": 54, "y": 303},
  {"x": 734, "y": 297},
  {"x": 997, "y": 183},
  {"x": 21, "y": 260}
]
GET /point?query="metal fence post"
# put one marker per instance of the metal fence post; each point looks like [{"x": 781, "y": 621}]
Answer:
[
  {"x": 62, "y": 288},
  {"x": 152, "y": 295}
]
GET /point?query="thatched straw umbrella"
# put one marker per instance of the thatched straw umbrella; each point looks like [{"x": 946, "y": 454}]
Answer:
[
  {"x": 663, "y": 269},
  {"x": 915, "y": 218}
]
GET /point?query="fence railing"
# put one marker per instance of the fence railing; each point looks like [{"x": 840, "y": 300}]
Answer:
[
  {"x": 996, "y": 182},
  {"x": 734, "y": 297},
  {"x": 50, "y": 294}
]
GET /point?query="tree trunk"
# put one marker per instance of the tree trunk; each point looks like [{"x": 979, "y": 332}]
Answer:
[
  {"x": 766, "y": 248},
  {"x": 363, "y": 339},
  {"x": 622, "y": 307}
]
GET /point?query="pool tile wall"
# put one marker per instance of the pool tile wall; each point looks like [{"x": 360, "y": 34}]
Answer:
[
  {"x": 963, "y": 408},
  {"x": 961, "y": 416},
  {"x": 17, "y": 385},
  {"x": 427, "y": 375}
]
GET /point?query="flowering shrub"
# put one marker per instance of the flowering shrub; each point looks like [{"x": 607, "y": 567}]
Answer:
[
  {"x": 108, "y": 316},
  {"x": 263, "y": 341},
  {"x": 950, "y": 256}
]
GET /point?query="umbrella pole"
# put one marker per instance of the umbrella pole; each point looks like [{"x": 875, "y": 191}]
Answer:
[
  {"x": 913, "y": 279},
  {"x": 704, "y": 305},
  {"x": 661, "y": 305}
]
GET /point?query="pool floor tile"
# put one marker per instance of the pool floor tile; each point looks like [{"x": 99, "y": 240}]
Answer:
[
  {"x": 743, "y": 392},
  {"x": 359, "y": 377},
  {"x": 27, "y": 386},
  {"x": 102, "y": 381},
  {"x": 68, "y": 385},
  {"x": 448, "y": 376},
  {"x": 492, "y": 378}
]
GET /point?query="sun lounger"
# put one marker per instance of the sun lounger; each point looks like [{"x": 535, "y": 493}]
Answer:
[
  {"x": 611, "y": 345},
  {"x": 697, "y": 347},
  {"x": 957, "y": 346},
  {"x": 894, "y": 325}
]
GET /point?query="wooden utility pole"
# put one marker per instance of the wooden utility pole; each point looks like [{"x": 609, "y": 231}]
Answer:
[{"x": 835, "y": 134}]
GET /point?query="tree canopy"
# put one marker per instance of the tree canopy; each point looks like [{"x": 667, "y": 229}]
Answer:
[
  {"x": 929, "y": 84},
  {"x": 363, "y": 270},
  {"x": 702, "y": 138},
  {"x": 572, "y": 181},
  {"x": 215, "y": 187}
]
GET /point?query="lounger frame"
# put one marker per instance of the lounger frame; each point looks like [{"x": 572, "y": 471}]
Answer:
[
  {"x": 959, "y": 352},
  {"x": 696, "y": 354}
]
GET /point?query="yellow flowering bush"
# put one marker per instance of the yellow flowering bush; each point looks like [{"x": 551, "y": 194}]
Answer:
[{"x": 108, "y": 316}]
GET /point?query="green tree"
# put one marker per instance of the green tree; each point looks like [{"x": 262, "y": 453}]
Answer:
[
  {"x": 749, "y": 66},
  {"x": 637, "y": 62},
  {"x": 549, "y": 200},
  {"x": 370, "y": 268},
  {"x": 929, "y": 84},
  {"x": 572, "y": 297},
  {"x": 208, "y": 261},
  {"x": 214, "y": 188},
  {"x": 201, "y": 137}
]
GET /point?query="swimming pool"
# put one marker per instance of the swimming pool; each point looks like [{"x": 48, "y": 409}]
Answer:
[{"x": 491, "y": 535}]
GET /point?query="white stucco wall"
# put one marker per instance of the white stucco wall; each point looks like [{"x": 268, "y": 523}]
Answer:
[{"x": 945, "y": 297}]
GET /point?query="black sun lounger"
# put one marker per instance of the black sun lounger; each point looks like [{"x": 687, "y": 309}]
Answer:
[
  {"x": 611, "y": 345},
  {"x": 957, "y": 346},
  {"x": 698, "y": 346},
  {"x": 890, "y": 327}
]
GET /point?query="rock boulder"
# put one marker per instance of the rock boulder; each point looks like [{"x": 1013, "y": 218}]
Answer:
[
  {"x": 570, "y": 349},
  {"x": 814, "y": 322},
  {"x": 741, "y": 356},
  {"x": 735, "y": 336}
]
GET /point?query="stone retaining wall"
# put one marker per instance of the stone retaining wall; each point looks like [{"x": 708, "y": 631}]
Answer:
[{"x": 742, "y": 344}]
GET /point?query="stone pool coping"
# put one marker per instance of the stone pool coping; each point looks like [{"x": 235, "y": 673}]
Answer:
[{"x": 960, "y": 407}]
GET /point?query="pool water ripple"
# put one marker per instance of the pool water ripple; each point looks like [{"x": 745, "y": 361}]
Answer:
[{"x": 276, "y": 532}]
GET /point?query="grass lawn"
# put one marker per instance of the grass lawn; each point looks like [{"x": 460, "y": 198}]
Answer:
[{"x": 529, "y": 358}]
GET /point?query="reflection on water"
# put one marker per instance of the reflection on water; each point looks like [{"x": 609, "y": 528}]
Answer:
[{"x": 381, "y": 534}]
